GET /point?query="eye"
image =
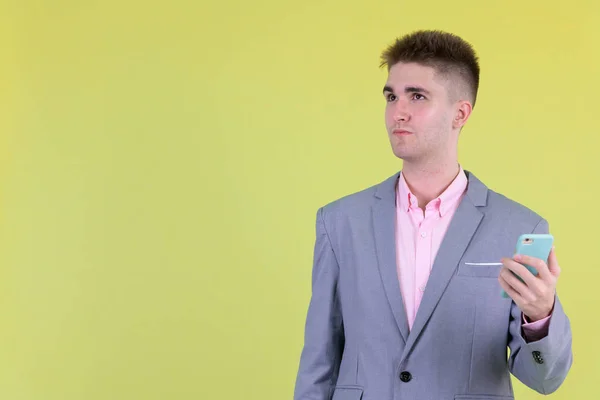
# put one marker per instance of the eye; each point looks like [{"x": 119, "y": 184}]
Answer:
[
  {"x": 390, "y": 97},
  {"x": 418, "y": 96}
]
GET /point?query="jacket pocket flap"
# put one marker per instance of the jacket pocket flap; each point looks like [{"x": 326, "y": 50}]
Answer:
[
  {"x": 347, "y": 393},
  {"x": 481, "y": 270}
]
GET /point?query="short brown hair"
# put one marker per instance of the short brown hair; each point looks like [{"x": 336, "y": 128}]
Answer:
[{"x": 447, "y": 53}]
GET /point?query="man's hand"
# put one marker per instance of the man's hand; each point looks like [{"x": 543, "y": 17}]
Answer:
[{"x": 534, "y": 296}]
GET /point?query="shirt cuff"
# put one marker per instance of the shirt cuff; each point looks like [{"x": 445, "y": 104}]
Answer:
[{"x": 534, "y": 331}]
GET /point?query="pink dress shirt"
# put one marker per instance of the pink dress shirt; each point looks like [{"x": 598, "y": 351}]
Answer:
[{"x": 418, "y": 238}]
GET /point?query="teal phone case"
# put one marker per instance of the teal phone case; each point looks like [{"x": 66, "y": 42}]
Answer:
[{"x": 536, "y": 245}]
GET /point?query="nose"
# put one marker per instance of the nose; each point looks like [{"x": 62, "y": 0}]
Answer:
[{"x": 401, "y": 113}]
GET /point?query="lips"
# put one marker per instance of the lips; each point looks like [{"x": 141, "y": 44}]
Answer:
[{"x": 401, "y": 132}]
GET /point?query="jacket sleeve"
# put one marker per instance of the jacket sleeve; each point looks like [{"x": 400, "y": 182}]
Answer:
[
  {"x": 541, "y": 365},
  {"x": 324, "y": 332}
]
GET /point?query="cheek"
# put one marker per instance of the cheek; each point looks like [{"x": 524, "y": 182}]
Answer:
[
  {"x": 432, "y": 117},
  {"x": 425, "y": 114},
  {"x": 389, "y": 116}
]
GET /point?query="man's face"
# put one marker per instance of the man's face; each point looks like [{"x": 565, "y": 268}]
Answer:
[{"x": 418, "y": 113}]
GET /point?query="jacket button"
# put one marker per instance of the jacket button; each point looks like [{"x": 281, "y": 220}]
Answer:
[
  {"x": 537, "y": 356},
  {"x": 405, "y": 376}
]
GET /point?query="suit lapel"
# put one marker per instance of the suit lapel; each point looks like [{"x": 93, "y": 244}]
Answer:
[
  {"x": 384, "y": 220},
  {"x": 456, "y": 240}
]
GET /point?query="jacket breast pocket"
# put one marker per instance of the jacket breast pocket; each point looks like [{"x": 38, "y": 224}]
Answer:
[
  {"x": 479, "y": 270},
  {"x": 347, "y": 393}
]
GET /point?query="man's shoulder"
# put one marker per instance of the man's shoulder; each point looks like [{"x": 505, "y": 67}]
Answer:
[
  {"x": 511, "y": 209},
  {"x": 359, "y": 200},
  {"x": 497, "y": 204}
]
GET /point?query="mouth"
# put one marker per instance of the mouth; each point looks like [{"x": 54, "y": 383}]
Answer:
[{"x": 401, "y": 132}]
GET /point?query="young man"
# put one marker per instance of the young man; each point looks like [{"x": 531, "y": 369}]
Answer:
[{"x": 407, "y": 278}]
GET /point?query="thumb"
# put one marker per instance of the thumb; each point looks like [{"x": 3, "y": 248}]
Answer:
[{"x": 553, "y": 263}]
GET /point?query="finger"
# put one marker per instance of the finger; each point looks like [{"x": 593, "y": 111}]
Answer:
[
  {"x": 520, "y": 270},
  {"x": 539, "y": 265},
  {"x": 512, "y": 293},
  {"x": 516, "y": 284},
  {"x": 553, "y": 266}
]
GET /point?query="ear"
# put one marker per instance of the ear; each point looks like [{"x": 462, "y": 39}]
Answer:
[{"x": 462, "y": 113}]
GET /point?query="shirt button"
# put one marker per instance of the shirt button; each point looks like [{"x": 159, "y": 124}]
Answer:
[
  {"x": 423, "y": 234},
  {"x": 405, "y": 376},
  {"x": 422, "y": 288}
]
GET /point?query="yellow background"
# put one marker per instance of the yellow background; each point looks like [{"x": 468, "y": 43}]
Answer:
[{"x": 162, "y": 163}]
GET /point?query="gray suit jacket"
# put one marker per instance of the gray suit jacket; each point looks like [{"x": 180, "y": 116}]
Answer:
[{"x": 357, "y": 343}]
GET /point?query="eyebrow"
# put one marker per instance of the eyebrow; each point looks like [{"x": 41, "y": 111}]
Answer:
[{"x": 407, "y": 89}]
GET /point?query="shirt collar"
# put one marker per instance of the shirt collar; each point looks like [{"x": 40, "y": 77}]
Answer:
[{"x": 443, "y": 203}]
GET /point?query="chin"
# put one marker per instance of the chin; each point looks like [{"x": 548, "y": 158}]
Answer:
[
  {"x": 404, "y": 155},
  {"x": 401, "y": 155},
  {"x": 401, "y": 151}
]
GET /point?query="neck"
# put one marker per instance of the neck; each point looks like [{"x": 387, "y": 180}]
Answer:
[{"x": 428, "y": 181}]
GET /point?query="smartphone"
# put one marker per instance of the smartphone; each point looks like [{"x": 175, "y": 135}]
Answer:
[{"x": 536, "y": 245}]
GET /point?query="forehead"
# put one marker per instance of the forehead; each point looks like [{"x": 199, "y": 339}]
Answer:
[{"x": 412, "y": 74}]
